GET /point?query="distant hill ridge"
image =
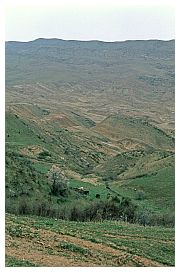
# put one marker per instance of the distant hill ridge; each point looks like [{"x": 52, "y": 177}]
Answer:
[
  {"x": 84, "y": 41},
  {"x": 125, "y": 64}
]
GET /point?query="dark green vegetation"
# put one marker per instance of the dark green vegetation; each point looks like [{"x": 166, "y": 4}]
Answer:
[
  {"x": 11, "y": 261},
  {"x": 50, "y": 242},
  {"x": 90, "y": 137}
]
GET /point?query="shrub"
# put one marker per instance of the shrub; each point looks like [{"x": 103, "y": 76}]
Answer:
[
  {"x": 84, "y": 210},
  {"x": 127, "y": 210},
  {"x": 24, "y": 206},
  {"x": 116, "y": 199},
  {"x": 109, "y": 176},
  {"x": 60, "y": 188},
  {"x": 76, "y": 214},
  {"x": 166, "y": 220},
  {"x": 148, "y": 218},
  {"x": 73, "y": 248},
  {"x": 42, "y": 207},
  {"x": 140, "y": 195},
  {"x": 143, "y": 218},
  {"x": 44, "y": 154}
]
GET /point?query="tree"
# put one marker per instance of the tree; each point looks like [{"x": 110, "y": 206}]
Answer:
[{"x": 59, "y": 182}]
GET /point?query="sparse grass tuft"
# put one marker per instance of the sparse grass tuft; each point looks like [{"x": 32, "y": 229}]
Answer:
[{"x": 74, "y": 248}]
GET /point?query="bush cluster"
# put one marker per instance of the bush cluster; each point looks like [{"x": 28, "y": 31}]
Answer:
[
  {"x": 151, "y": 219},
  {"x": 78, "y": 211},
  {"x": 111, "y": 209}
]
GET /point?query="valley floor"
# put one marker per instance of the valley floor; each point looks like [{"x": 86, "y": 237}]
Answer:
[{"x": 37, "y": 241}]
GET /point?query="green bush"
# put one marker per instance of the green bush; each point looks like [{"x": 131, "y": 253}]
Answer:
[
  {"x": 73, "y": 248},
  {"x": 82, "y": 210},
  {"x": 44, "y": 154},
  {"x": 140, "y": 195},
  {"x": 109, "y": 176},
  {"x": 60, "y": 188},
  {"x": 151, "y": 219}
]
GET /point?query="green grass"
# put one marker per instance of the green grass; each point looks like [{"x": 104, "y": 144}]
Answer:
[
  {"x": 93, "y": 189},
  {"x": 73, "y": 248},
  {"x": 57, "y": 144},
  {"x": 14, "y": 262},
  {"x": 159, "y": 190},
  {"x": 77, "y": 157},
  {"x": 23, "y": 181},
  {"x": 155, "y": 243},
  {"x": 26, "y": 178},
  {"x": 118, "y": 164},
  {"x": 18, "y": 132},
  {"x": 41, "y": 167},
  {"x": 147, "y": 248},
  {"x": 134, "y": 163}
]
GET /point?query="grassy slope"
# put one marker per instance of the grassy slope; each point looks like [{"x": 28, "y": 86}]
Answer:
[
  {"x": 22, "y": 179},
  {"x": 29, "y": 169},
  {"x": 159, "y": 190},
  {"x": 135, "y": 163},
  {"x": 63, "y": 146},
  {"x": 123, "y": 127},
  {"x": 18, "y": 132},
  {"x": 50, "y": 242}
]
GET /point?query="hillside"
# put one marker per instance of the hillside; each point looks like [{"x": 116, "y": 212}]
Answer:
[
  {"x": 90, "y": 137},
  {"x": 70, "y": 62},
  {"x": 137, "y": 130},
  {"x": 49, "y": 242}
]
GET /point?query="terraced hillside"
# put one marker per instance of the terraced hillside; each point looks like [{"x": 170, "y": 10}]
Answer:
[
  {"x": 90, "y": 137},
  {"x": 50, "y": 242}
]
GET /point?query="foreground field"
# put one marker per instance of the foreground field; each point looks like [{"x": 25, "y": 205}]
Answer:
[{"x": 35, "y": 241}]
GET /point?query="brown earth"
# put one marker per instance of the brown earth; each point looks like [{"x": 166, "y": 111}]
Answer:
[{"x": 45, "y": 251}]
